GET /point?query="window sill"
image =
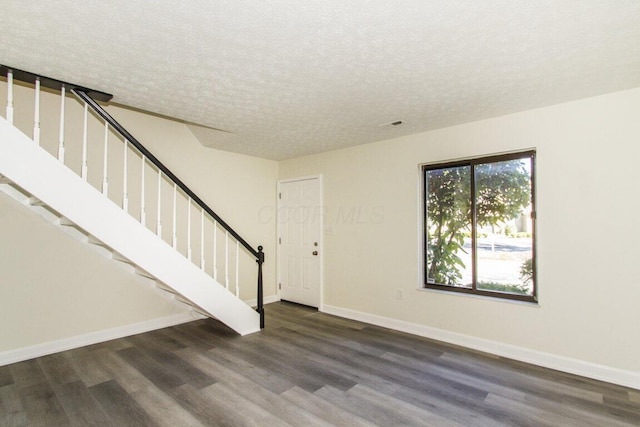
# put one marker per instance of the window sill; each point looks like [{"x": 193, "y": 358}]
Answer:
[{"x": 482, "y": 297}]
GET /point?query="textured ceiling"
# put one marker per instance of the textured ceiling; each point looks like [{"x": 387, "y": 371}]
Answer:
[{"x": 288, "y": 78}]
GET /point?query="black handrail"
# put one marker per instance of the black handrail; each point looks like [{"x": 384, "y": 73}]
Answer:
[
  {"x": 54, "y": 84},
  {"x": 90, "y": 96},
  {"x": 122, "y": 131}
]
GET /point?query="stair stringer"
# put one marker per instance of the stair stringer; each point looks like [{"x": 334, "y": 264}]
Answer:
[{"x": 33, "y": 169}]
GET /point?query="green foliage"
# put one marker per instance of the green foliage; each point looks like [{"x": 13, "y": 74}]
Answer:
[
  {"x": 448, "y": 218},
  {"x": 502, "y": 191},
  {"x": 526, "y": 271},
  {"x": 520, "y": 289}
]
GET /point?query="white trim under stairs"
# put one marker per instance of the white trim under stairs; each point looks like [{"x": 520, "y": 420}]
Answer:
[{"x": 33, "y": 177}]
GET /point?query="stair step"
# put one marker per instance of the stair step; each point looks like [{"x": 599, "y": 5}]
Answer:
[
  {"x": 43, "y": 209},
  {"x": 183, "y": 300},
  {"x": 200, "y": 312},
  {"x": 169, "y": 292},
  {"x": 119, "y": 257},
  {"x": 34, "y": 201},
  {"x": 4, "y": 180},
  {"x": 93, "y": 241},
  {"x": 72, "y": 228},
  {"x": 165, "y": 288},
  {"x": 194, "y": 307},
  {"x": 143, "y": 273},
  {"x": 13, "y": 190},
  {"x": 66, "y": 222}
]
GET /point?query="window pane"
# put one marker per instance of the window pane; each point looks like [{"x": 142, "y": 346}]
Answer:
[
  {"x": 504, "y": 245},
  {"x": 448, "y": 194}
]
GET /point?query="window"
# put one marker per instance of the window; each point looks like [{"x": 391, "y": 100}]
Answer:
[{"x": 479, "y": 226}]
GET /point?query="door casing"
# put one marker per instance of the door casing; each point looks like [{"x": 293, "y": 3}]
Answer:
[{"x": 320, "y": 233}]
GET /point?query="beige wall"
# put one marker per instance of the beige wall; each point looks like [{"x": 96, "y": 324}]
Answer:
[
  {"x": 52, "y": 288},
  {"x": 588, "y": 234}
]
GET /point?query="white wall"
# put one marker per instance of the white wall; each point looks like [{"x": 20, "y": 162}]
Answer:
[
  {"x": 588, "y": 233},
  {"x": 51, "y": 288}
]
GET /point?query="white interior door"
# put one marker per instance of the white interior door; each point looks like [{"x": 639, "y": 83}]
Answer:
[{"x": 299, "y": 240}]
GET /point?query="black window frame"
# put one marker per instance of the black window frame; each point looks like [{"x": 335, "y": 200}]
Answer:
[{"x": 472, "y": 163}]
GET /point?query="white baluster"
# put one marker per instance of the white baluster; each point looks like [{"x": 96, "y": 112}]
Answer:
[
  {"x": 215, "y": 250},
  {"x": 202, "y": 265},
  {"x": 105, "y": 162},
  {"x": 10, "y": 96},
  {"x": 143, "y": 214},
  {"x": 61, "y": 133},
  {"x": 125, "y": 194},
  {"x": 83, "y": 171},
  {"x": 237, "y": 268},
  {"x": 159, "y": 219},
  {"x": 175, "y": 236},
  {"x": 36, "y": 114},
  {"x": 226, "y": 260},
  {"x": 189, "y": 230}
]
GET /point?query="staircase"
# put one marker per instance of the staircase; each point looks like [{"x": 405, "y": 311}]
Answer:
[{"x": 46, "y": 183}]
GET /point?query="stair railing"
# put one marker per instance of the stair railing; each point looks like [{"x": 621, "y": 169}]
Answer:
[{"x": 225, "y": 254}]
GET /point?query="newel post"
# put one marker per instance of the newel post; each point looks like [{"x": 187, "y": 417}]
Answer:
[{"x": 260, "y": 308}]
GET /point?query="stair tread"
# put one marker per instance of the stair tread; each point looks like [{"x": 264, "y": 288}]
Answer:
[
  {"x": 67, "y": 222},
  {"x": 119, "y": 257},
  {"x": 141, "y": 272},
  {"x": 193, "y": 306},
  {"x": 34, "y": 201},
  {"x": 93, "y": 241},
  {"x": 166, "y": 289}
]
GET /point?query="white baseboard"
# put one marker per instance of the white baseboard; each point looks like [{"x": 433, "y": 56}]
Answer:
[
  {"x": 547, "y": 360},
  {"x": 38, "y": 350},
  {"x": 266, "y": 300}
]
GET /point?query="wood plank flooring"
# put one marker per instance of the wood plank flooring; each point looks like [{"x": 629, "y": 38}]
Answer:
[{"x": 305, "y": 369}]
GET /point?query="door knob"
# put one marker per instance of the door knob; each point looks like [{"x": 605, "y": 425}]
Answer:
[{"x": 315, "y": 252}]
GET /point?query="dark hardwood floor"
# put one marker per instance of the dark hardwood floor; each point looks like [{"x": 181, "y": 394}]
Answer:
[{"x": 305, "y": 369}]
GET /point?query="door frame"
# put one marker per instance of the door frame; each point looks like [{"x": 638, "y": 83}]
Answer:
[{"x": 321, "y": 237}]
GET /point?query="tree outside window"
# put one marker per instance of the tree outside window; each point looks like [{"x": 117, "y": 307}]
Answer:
[{"x": 479, "y": 225}]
